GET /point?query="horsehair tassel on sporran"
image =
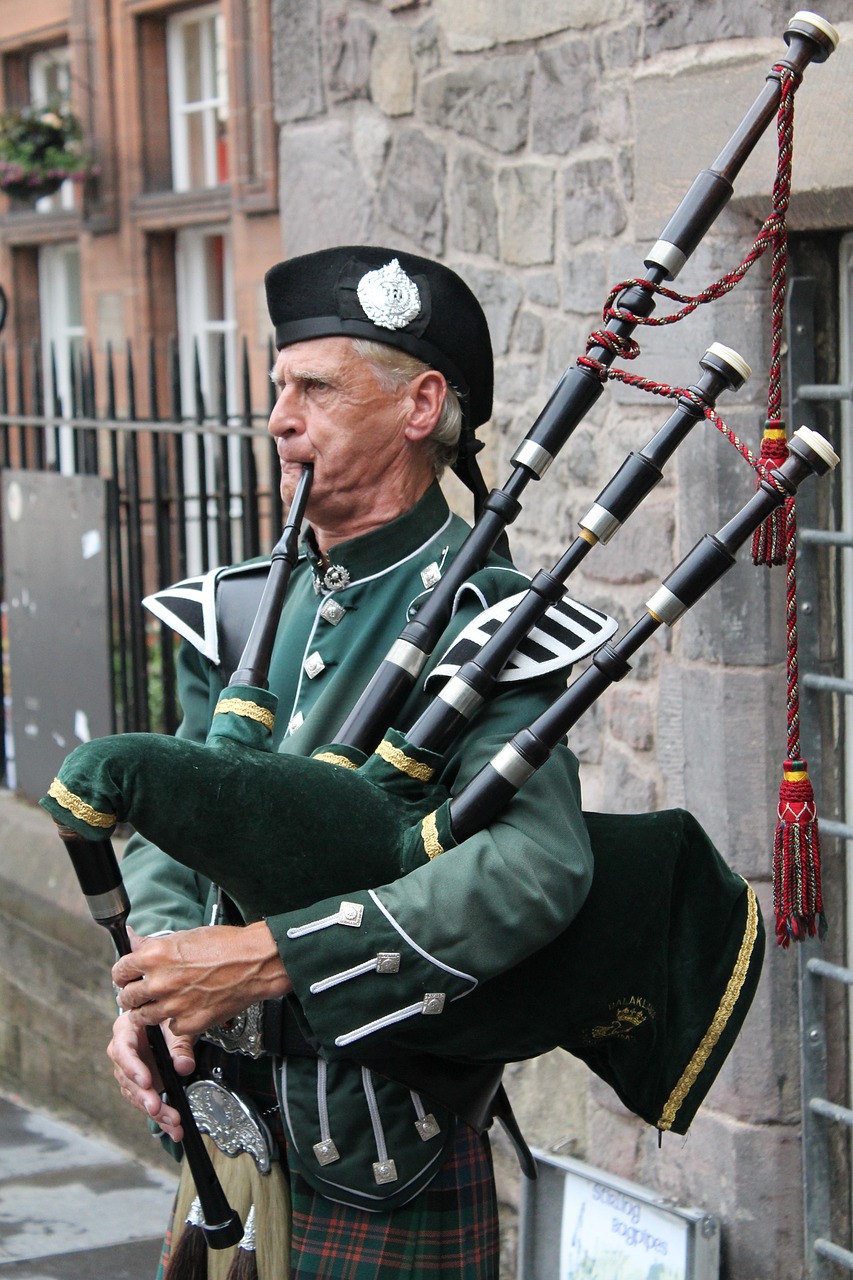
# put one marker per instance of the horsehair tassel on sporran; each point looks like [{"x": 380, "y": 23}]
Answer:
[
  {"x": 188, "y": 1258},
  {"x": 245, "y": 1264},
  {"x": 263, "y": 1202}
]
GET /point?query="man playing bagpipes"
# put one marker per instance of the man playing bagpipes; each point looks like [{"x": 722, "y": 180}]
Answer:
[{"x": 386, "y": 1179}]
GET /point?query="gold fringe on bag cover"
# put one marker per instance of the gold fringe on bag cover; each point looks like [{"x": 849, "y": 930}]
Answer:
[{"x": 246, "y": 1189}]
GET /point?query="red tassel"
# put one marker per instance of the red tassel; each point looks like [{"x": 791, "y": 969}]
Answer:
[
  {"x": 769, "y": 540},
  {"x": 797, "y": 895}
]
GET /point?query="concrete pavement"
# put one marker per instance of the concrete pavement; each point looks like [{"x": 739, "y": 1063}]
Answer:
[{"x": 73, "y": 1207}]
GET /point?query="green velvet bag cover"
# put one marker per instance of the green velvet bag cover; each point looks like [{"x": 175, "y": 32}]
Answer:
[
  {"x": 649, "y": 985},
  {"x": 277, "y": 832}
]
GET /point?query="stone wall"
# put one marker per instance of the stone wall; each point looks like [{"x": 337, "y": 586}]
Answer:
[
  {"x": 539, "y": 149},
  {"x": 56, "y": 1002}
]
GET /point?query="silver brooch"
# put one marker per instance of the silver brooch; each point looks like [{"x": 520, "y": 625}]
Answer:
[
  {"x": 335, "y": 578},
  {"x": 389, "y": 297}
]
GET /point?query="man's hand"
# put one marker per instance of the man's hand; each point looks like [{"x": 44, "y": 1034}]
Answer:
[
  {"x": 197, "y": 978},
  {"x": 137, "y": 1076}
]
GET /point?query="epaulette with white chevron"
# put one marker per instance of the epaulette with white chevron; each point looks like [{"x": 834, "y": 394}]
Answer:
[
  {"x": 201, "y": 611},
  {"x": 568, "y": 632},
  {"x": 189, "y": 608}
]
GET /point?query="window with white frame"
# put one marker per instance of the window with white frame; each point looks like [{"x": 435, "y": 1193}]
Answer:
[
  {"x": 207, "y": 342},
  {"x": 198, "y": 98},
  {"x": 62, "y": 333},
  {"x": 50, "y": 86}
]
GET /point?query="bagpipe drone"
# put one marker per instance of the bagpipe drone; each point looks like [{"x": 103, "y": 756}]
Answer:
[{"x": 676, "y": 936}]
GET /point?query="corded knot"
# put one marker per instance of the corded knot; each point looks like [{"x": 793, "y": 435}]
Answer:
[{"x": 770, "y": 540}]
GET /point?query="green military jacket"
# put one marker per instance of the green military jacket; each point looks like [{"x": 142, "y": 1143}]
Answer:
[{"x": 404, "y": 951}]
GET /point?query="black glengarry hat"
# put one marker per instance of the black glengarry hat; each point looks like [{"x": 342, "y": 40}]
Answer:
[{"x": 385, "y": 295}]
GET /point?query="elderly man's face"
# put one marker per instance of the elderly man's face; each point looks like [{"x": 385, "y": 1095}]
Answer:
[{"x": 332, "y": 411}]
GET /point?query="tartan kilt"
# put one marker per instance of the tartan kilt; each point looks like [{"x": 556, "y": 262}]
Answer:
[{"x": 450, "y": 1229}]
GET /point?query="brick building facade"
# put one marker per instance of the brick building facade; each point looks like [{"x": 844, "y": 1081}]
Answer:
[{"x": 171, "y": 236}]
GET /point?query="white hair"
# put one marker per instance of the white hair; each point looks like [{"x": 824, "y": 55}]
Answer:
[{"x": 393, "y": 369}]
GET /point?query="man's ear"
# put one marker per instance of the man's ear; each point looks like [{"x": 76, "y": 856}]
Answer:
[{"x": 426, "y": 395}]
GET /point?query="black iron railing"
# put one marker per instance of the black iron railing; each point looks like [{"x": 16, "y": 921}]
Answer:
[{"x": 186, "y": 491}]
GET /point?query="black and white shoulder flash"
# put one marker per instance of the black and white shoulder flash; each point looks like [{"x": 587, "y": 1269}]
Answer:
[
  {"x": 215, "y": 610},
  {"x": 567, "y": 632},
  {"x": 189, "y": 608}
]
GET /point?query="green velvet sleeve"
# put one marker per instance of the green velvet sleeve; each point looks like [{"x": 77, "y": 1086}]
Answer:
[{"x": 163, "y": 893}]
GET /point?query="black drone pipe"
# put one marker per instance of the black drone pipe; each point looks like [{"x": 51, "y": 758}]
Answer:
[
  {"x": 809, "y": 39},
  {"x": 464, "y": 693},
  {"x": 496, "y": 784},
  {"x": 97, "y": 870},
  {"x": 254, "y": 663},
  {"x": 100, "y": 879}
]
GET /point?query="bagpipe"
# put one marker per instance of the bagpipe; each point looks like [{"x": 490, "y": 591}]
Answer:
[{"x": 675, "y": 937}]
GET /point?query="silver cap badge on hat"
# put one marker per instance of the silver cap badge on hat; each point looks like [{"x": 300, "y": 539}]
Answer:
[{"x": 389, "y": 297}]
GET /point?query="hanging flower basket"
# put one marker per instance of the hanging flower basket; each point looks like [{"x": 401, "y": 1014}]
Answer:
[{"x": 39, "y": 149}]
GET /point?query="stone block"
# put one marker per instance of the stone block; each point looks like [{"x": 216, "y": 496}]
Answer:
[
  {"x": 371, "y": 140},
  {"x": 425, "y": 46},
  {"x": 720, "y": 745},
  {"x": 323, "y": 197},
  {"x": 473, "y": 221},
  {"x": 565, "y": 339},
  {"x": 565, "y": 100},
  {"x": 529, "y": 333},
  {"x": 469, "y": 25},
  {"x": 412, "y": 196},
  {"x": 392, "y": 73},
  {"x": 296, "y": 60},
  {"x": 584, "y": 284},
  {"x": 516, "y": 381},
  {"x": 672, "y": 26},
  {"x": 500, "y": 298},
  {"x": 543, "y": 288},
  {"x": 619, "y": 48},
  {"x": 488, "y": 101},
  {"x": 347, "y": 42},
  {"x": 593, "y": 204},
  {"x": 642, "y": 550},
  {"x": 526, "y": 214},
  {"x": 628, "y": 787},
  {"x": 631, "y": 717},
  {"x": 616, "y": 117},
  {"x": 585, "y": 739},
  {"x": 714, "y": 92}
]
